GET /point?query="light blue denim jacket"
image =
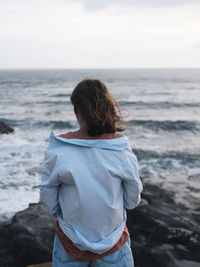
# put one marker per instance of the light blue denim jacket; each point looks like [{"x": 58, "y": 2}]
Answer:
[{"x": 90, "y": 183}]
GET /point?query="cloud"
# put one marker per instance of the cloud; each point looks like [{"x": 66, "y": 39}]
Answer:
[
  {"x": 197, "y": 45},
  {"x": 95, "y": 5}
]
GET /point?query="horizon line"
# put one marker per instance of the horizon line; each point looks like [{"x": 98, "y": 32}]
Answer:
[{"x": 97, "y": 68}]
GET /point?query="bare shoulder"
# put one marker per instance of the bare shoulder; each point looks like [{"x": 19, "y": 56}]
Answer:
[
  {"x": 118, "y": 135},
  {"x": 68, "y": 135}
]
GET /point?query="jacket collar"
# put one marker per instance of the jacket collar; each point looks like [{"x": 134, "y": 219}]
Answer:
[{"x": 113, "y": 144}]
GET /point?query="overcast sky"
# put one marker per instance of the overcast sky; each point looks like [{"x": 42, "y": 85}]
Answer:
[{"x": 99, "y": 33}]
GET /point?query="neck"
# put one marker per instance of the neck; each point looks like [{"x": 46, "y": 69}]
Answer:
[{"x": 83, "y": 131}]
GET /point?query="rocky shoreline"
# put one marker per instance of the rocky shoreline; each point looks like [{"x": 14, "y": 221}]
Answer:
[{"x": 162, "y": 234}]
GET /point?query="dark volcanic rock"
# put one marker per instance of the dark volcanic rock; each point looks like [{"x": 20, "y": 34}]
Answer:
[
  {"x": 163, "y": 234},
  {"x": 28, "y": 238},
  {"x": 5, "y": 128}
]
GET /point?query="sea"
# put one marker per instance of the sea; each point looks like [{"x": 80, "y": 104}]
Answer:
[{"x": 161, "y": 108}]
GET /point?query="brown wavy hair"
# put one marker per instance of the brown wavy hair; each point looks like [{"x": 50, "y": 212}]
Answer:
[{"x": 97, "y": 107}]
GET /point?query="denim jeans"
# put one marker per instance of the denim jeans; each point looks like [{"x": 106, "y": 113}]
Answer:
[{"x": 121, "y": 258}]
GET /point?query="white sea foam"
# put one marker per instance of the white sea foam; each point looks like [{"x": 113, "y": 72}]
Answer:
[
  {"x": 21, "y": 156},
  {"x": 16, "y": 199}
]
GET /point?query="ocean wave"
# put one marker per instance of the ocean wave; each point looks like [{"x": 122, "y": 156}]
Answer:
[
  {"x": 52, "y": 103},
  {"x": 31, "y": 123},
  {"x": 167, "y": 125},
  {"x": 61, "y": 95},
  {"x": 20, "y": 84},
  {"x": 148, "y": 124},
  {"x": 185, "y": 158},
  {"x": 157, "y": 105},
  {"x": 46, "y": 103},
  {"x": 56, "y": 124}
]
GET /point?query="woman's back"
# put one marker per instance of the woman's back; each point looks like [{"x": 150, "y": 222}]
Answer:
[
  {"x": 92, "y": 176},
  {"x": 91, "y": 179}
]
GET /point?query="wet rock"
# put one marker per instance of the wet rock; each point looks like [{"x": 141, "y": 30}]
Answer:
[
  {"x": 5, "y": 128},
  {"x": 27, "y": 238},
  {"x": 163, "y": 234}
]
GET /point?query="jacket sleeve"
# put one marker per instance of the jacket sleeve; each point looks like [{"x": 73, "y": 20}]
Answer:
[
  {"x": 49, "y": 185},
  {"x": 132, "y": 186}
]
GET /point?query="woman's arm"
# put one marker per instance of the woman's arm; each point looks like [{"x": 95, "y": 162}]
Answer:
[
  {"x": 132, "y": 186},
  {"x": 49, "y": 186}
]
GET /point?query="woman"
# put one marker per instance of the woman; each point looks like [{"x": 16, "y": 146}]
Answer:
[{"x": 90, "y": 177}]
